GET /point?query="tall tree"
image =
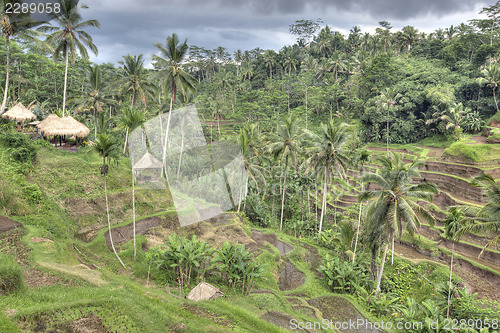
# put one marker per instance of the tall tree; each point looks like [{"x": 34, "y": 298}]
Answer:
[
  {"x": 108, "y": 150},
  {"x": 69, "y": 37},
  {"x": 286, "y": 144},
  {"x": 327, "y": 155},
  {"x": 14, "y": 24},
  {"x": 95, "y": 94},
  {"x": 135, "y": 79},
  {"x": 491, "y": 77},
  {"x": 169, "y": 63},
  {"x": 395, "y": 206},
  {"x": 486, "y": 218},
  {"x": 129, "y": 120},
  {"x": 388, "y": 99}
]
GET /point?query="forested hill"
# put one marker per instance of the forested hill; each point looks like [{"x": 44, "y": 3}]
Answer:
[{"x": 416, "y": 77}]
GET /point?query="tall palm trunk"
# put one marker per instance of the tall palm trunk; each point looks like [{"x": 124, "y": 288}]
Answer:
[
  {"x": 182, "y": 148},
  {"x": 133, "y": 211},
  {"x": 392, "y": 252},
  {"x": 65, "y": 81},
  {"x": 379, "y": 277},
  {"x": 7, "y": 73},
  {"x": 95, "y": 125},
  {"x": 283, "y": 198},
  {"x": 387, "y": 131},
  {"x": 172, "y": 100},
  {"x": 357, "y": 230},
  {"x": 495, "y": 98},
  {"x": 449, "y": 282},
  {"x": 323, "y": 205},
  {"x": 109, "y": 223},
  {"x": 126, "y": 141}
]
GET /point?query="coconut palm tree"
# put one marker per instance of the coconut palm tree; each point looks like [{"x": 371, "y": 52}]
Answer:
[
  {"x": 455, "y": 220},
  {"x": 327, "y": 156},
  {"x": 107, "y": 148},
  {"x": 170, "y": 70},
  {"x": 388, "y": 99},
  {"x": 285, "y": 144},
  {"x": 14, "y": 24},
  {"x": 491, "y": 77},
  {"x": 129, "y": 120},
  {"x": 95, "y": 94},
  {"x": 135, "y": 79},
  {"x": 395, "y": 206},
  {"x": 488, "y": 217},
  {"x": 69, "y": 37}
]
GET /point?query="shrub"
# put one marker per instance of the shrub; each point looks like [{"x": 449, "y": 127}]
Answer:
[
  {"x": 11, "y": 278},
  {"x": 237, "y": 266},
  {"x": 344, "y": 276},
  {"x": 182, "y": 259}
]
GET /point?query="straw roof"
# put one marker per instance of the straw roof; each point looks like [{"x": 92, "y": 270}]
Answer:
[
  {"x": 41, "y": 125},
  {"x": 204, "y": 292},
  {"x": 64, "y": 126},
  {"x": 19, "y": 113},
  {"x": 148, "y": 162}
]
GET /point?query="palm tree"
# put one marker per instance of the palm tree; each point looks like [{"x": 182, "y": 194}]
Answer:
[
  {"x": 491, "y": 77},
  {"x": 107, "y": 148},
  {"x": 169, "y": 62},
  {"x": 328, "y": 156},
  {"x": 395, "y": 206},
  {"x": 454, "y": 117},
  {"x": 338, "y": 62},
  {"x": 135, "y": 79},
  {"x": 388, "y": 98},
  {"x": 455, "y": 220},
  {"x": 129, "y": 120},
  {"x": 409, "y": 36},
  {"x": 95, "y": 94},
  {"x": 488, "y": 217},
  {"x": 285, "y": 144},
  {"x": 247, "y": 140},
  {"x": 270, "y": 61},
  {"x": 14, "y": 24},
  {"x": 69, "y": 36}
]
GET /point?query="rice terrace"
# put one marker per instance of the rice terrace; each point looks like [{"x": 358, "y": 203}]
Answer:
[{"x": 187, "y": 166}]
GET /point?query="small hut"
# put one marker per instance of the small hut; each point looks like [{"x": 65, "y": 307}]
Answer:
[
  {"x": 63, "y": 127},
  {"x": 19, "y": 113},
  {"x": 147, "y": 169},
  {"x": 204, "y": 292}
]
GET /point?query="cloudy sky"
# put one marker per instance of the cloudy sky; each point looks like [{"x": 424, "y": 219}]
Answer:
[{"x": 132, "y": 26}]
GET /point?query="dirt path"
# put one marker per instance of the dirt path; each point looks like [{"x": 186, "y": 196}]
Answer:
[{"x": 7, "y": 224}]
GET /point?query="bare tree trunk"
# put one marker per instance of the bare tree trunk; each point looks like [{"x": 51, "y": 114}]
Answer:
[
  {"x": 323, "y": 206},
  {"x": 392, "y": 252},
  {"x": 449, "y": 286},
  {"x": 166, "y": 137},
  {"x": 379, "y": 277},
  {"x": 357, "y": 230},
  {"x": 126, "y": 139},
  {"x": 180, "y": 155},
  {"x": 109, "y": 223},
  {"x": 283, "y": 198},
  {"x": 65, "y": 81},
  {"x": 387, "y": 132},
  {"x": 495, "y": 98},
  {"x": 133, "y": 209},
  {"x": 7, "y": 73}
]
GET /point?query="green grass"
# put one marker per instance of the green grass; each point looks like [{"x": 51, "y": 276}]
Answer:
[
  {"x": 437, "y": 141},
  {"x": 11, "y": 279},
  {"x": 474, "y": 153}
]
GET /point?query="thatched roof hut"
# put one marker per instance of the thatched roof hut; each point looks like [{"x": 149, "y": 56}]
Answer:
[
  {"x": 51, "y": 117},
  {"x": 19, "y": 113},
  {"x": 204, "y": 292},
  {"x": 65, "y": 126},
  {"x": 148, "y": 162}
]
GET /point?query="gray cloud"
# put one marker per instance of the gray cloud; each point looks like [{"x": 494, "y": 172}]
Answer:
[{"x": 134, "y": 25}]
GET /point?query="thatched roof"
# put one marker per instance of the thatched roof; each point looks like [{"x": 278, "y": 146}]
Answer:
[
  {"x": 51, "y": 117},
  {"x": 19, "y": 113},
  {"x": 148, "y": 162},
  {"x": 204, "y": 292},
  {"x": 64, "y": 126}
]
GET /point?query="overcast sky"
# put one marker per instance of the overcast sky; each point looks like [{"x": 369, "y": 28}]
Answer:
[{"x": 132, "y": 26}]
